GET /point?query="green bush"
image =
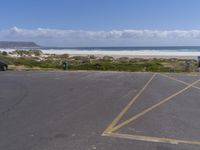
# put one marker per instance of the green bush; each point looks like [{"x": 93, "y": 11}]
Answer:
[
  {"x": 87, "y": 63},
  {"x": 27, "y": 52}
]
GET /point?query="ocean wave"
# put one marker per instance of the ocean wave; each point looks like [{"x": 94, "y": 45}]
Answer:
[{"x": 120, "y": 51}]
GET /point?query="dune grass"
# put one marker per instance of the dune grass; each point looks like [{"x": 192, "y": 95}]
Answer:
[{"x": 106, "y": 63}]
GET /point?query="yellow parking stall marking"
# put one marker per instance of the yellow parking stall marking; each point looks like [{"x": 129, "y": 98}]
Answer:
[
  {"x": 172, "y": 78},
  {"x": 118, "y": 117},
  {"x": 152, "y": 107},
  {"x": 152, "y": 139},
  {"x": 111, "y": 130}
]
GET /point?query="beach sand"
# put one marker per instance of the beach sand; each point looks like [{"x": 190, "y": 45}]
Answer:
[
  {"x": 130, "y": 54},
  {"x": 117, "y": 54}
]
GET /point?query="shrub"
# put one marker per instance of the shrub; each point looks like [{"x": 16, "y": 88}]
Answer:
[
  {"x": 4, "y": 53},
  {"x": 108, "y": 58},
  {"x": 28, "y": 52}
]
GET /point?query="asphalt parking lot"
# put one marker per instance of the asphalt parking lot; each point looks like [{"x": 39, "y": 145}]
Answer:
[{"x": 99, "y": 110}]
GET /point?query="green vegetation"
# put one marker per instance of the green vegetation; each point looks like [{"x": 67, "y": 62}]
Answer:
[
  {"x": 27, "y": 53},
  {"x": 33, "y": 58},
  {"x": 3, "y": 53},
  {"x": 136, "y": 65}
]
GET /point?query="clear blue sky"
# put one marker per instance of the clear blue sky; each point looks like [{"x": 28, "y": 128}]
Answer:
[
  {"x": 101, "y": 14},
  {"x": 98, "y": 15}
]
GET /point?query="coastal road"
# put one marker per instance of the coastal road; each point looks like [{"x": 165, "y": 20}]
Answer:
[{"x": 99, "y": 111}]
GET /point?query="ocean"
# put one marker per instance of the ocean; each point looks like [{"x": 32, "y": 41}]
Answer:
[
  {"x": 156, "y": 48},
  {"x": 126, "y": 51},
  {"x": 151, "y": 48}
]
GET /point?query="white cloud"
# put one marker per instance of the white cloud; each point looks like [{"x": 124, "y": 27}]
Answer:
[{"x": 55, "y": 37}]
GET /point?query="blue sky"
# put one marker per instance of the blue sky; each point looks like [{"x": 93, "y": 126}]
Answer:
[{"x": 38, "y": 20}]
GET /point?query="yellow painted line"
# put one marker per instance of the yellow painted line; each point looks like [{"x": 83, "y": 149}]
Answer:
[
  {"x": 118, "y": 117},
  {"x": 152, "y": 107},
  {"x": 152, "y": 139},
  {"x": 179, "y": 80}
]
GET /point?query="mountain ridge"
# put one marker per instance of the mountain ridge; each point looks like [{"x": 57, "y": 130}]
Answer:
[{"x": 17, "y": 44}]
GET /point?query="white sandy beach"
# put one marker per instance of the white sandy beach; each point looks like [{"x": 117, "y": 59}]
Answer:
[
  {"x": 131, "y": 54},
  {"x": 116, "y": 54}
]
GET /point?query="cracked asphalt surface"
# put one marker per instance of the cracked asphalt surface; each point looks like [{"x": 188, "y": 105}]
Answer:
[{"x": 71, "y": 110}]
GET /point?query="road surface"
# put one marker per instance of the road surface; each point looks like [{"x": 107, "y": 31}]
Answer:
[{"x": 99, "y": 111}]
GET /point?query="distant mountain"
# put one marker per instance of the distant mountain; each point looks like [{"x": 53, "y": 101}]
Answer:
[{"x": 16, "y": 44}]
